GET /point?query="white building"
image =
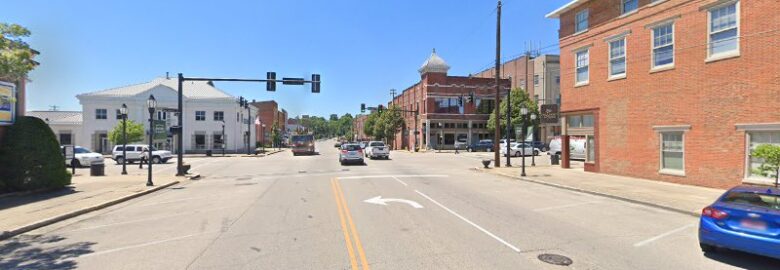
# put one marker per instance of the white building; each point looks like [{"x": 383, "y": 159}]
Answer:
[
  {"x": 66, "y": 125},
  {"x": 206, "y": 108}
]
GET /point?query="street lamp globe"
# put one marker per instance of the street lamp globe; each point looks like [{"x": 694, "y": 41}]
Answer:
[
  {"x": 151, "y": 103},
  {"x": 123, "y": 109},
  {"x": 533, "y": 116},
  {"x": 523, "y": 110}
]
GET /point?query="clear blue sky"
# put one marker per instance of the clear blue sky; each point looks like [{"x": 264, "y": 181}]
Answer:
[{"x": 361, "y": 48}]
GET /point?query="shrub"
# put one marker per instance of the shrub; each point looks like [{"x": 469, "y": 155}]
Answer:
[{"x": 31, "y": 158}]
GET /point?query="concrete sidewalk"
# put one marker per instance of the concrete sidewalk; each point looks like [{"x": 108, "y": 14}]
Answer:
[
  {"x": 23, "y": 213},
  {"x": 674, "y": 197}
]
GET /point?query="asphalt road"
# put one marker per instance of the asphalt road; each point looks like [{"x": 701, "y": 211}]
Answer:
[{"x": 309, "y": 212}]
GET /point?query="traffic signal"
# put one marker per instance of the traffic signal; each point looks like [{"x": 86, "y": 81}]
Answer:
[
  {"x": 471, "y": 97},
  {"x": 380, "y": 108},
  {"x": 362, "y": 107},
  {"x": 315, "y": 83},
  {"x": 270, "y": 83},
  {"x": 460, "y": 101}
]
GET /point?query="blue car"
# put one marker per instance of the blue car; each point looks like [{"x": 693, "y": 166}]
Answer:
[{"x": 745, "y": 218}]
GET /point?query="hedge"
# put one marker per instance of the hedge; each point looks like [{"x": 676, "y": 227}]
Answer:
[{"x": 30, "y": 158}]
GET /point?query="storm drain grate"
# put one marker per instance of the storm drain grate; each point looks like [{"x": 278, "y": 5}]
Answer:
[{"x": 555, "y": 259}]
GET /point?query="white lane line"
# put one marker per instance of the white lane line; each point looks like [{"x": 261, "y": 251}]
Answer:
[
  {"x": 145, "y": 244},
  {"x": 400, "y": 181},
  {"x": 653, "y": 239},
  {"x": 399, "y": 176},
  {"x": 470, "y": 223},
  {"x": 149, "y": 219},
  {"x": 562, "y": 206}
]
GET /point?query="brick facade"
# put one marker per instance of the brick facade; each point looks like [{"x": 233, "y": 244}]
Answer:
[{"x": 713, "y": 103}]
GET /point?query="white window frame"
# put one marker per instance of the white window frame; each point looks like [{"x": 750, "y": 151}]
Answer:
[
  {"x": 610, "y": 58},
  {"x": 214, "y": 115},
  {"x": 577, "y": 21},
  {"x": 576, "y": 67},
  {"x": 98, "y": 114},
  {"x": 719, "y": 56},
  {"x": 623, "y": 11},
  {"x": 653, "y": 67},
  {"x": 197, "y": 116},
  {"x": 683, "y": 129},
  {"x": 753, "y": 128}
]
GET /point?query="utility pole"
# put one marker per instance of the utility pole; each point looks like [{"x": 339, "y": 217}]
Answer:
[
  {"x": 497, "y": 135},
  {"x": 392, "y": 92}
]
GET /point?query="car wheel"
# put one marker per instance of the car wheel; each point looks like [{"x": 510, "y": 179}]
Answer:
[
  {"x": 707, "y": 247},
  {"x": 120, "y": 160},
  {"x": 517, "y": 154},
  {"x": 156, "y": 160},
  {"x": 536, "y": 153}
]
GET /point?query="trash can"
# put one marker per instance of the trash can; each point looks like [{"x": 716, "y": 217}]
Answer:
[
  {"x": 555, "y": 159},
  {"x": 97, "y": 169},
  {"x": 208, "y": 153}
]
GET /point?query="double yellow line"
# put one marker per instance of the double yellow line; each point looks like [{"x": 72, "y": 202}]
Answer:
[{"x": 346, "y": 217}]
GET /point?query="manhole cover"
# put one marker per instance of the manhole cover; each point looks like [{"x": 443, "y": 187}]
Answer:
[{"x": 555, "y": 259}]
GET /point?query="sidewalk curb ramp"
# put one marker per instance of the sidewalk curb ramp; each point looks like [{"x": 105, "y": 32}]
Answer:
[
  {"x": 46, "y": 222},
  {"x": 601, "y": 194}
]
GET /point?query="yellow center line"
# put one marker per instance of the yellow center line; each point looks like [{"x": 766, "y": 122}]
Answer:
[
  {"x": 347, "y": 240},
  {"x": 355, "y": 235}
]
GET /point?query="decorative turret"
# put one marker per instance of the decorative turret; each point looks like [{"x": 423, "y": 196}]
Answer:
[{"x": 434, "y": 64}]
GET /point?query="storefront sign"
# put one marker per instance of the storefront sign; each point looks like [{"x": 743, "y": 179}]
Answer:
[
  {"x": 550, "y": 114},
  {"x": 160, "y": 131},
  {"x": 7, "y": 103}
]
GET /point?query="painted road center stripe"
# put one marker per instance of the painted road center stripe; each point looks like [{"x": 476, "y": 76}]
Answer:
[{"x": 341, "y": 203}]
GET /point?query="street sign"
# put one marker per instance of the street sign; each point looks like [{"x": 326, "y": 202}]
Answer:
[
  {"x": 293, "y": 81},
  {"x": 550, "y": 114},
  {"x": 7, "y": 103},
  {"x": 68, "y": 151},
  {"x": 160, "y": 131}
]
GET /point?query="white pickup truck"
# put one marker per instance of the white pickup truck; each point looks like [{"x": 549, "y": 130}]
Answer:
[{"x": 377, "y": 149}]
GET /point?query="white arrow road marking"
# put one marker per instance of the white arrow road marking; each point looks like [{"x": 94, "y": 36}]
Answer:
[{"x": 378, "y": 200}]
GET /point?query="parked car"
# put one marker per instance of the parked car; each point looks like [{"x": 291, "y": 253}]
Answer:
[
  {"x": 363, "y": 144},
  {"x": 482, "y": 145},
  {"x": 461, "y": 142},
  {"x": 745, "y": 218},
  {"x": 351, "y": 153},
  {"x": 134, "y": 153},
  {"x": 83, "y": 157},
  {"x": 377, "y": 149},
  {"x": 520, "y": 149},
  {"x": 337, "y": 144},
  {"x": 576, "y": 147},
  {"x": 539, "y": 145}
]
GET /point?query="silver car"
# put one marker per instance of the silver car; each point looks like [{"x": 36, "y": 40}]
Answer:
[{"x": 351, "y": 153}]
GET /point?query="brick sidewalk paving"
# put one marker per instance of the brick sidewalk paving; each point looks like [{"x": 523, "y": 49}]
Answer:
[
  {"x": 675, "y": 197},
  {"x": 22, "y": 213}
]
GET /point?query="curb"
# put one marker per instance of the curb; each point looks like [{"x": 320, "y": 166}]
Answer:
[
  {"x": 46, "y": 222},
  {"x": 601, "y": 194}
]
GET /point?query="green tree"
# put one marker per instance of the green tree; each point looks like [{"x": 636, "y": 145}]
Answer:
[
  {"x": 16, "y": 56},
  {"x": 135, "y": 133},
  {"x": 368, "y": 125},
  {"x": 276, "y": 136},
  {"x": 392, "y": 120},
  {"x": 519, "y": 97},
  {"x": 771, "y": 161},
  {"x": 31, "y": 157}
]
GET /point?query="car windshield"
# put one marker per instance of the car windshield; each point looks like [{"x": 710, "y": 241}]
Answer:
[
  {"x": 302, "y": 138},
  {"x": 82, "y": 150},
  {"x": 377, "y": 144},
  {"x": 768, "y": 201},
  {"x": 351, "y": 147}
]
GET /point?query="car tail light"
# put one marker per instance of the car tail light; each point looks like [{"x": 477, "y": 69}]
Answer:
[
  {"x": 343, "y": 151},
  {"x": 714, "y": 213},
  {"x": 360, "y": 150}
]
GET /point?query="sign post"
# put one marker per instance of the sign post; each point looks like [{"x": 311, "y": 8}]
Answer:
[{"x": 69, "y": 152}]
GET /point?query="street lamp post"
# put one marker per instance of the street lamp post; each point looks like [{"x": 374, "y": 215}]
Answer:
[
  {"x": 441, "y": 137},
  {"x": 123, "y": 112},
  {"x": 533, "y": 155},
  {"x": 152, "y": 103},
  {"x": 222, "y": 143},
  {"x": 508, "y": 124},
  {"x": 524, "y": 113},
  {"x": 262, "y": 131}
]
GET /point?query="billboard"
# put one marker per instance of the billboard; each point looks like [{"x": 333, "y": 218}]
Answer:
[{"x": 7, "y": 103}]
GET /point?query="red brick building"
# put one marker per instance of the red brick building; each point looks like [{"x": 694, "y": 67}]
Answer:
[
  {"x": 443, "y": 120},
  {"x": 672, "y": 90},
  {"x": 357, "y": 128},
  {"x": 268, "y": 114}
]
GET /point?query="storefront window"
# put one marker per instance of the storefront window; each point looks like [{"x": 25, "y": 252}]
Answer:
[
  {"x": 758, "y": 138},
  {"x": 591, "y": 148},
  {"x": 485, "y": 106},
  {"x": 448, "y": 105}
]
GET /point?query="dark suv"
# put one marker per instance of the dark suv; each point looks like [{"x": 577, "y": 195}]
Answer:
[{"x": 482, "y": 145}]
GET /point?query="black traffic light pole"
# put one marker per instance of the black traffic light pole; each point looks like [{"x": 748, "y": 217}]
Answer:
[
  {"x": 271, "y": 86},
  {"x": 416, "y": 112}
]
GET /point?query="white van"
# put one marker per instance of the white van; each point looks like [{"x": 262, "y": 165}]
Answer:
[{"x": 576, "y": 147}]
